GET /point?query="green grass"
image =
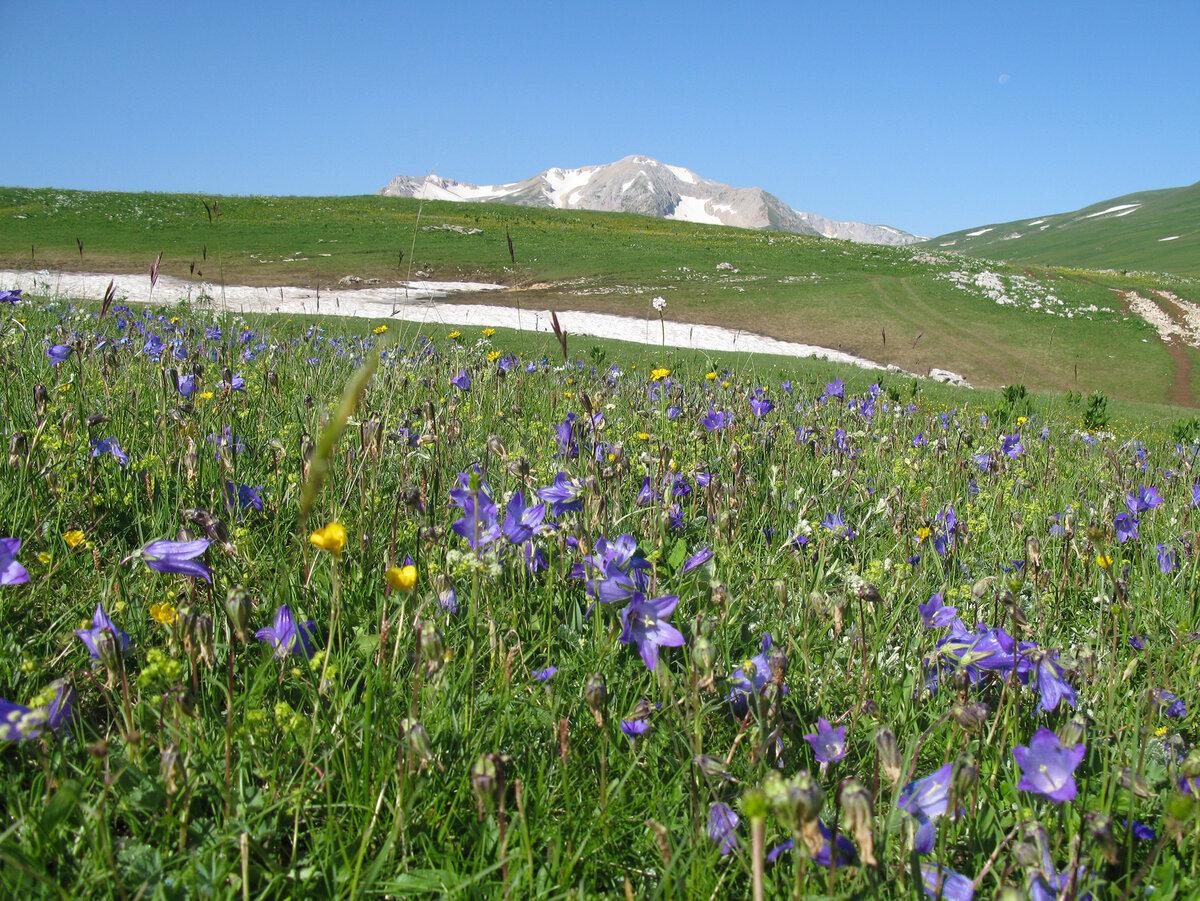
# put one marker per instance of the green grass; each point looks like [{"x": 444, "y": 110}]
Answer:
[
  {"x": 199, "y": 765},
  {"x": 892, "y": 305},
  {"x": 1126, "y": 242}
]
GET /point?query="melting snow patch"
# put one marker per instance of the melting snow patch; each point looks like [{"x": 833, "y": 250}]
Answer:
[
  {"x": 692, "y": 209},
  {"x": 1035, "y": 222},
  {"x": 1121, "y": 209},
  {"x": 682, "y": 174},
  {"x": 1172, "y": 238},
  {"x": 982, "y": 231}
]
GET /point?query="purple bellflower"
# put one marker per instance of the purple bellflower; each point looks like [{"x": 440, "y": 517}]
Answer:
[
  {"x": 563, "y": 495},
  {"x": 109, "y": 446},
  {"x": 178, "y": 557},
  {"x": 11, "y": 572},
  {"x": 286, "y": 637},
  {"x": 18, "y": 722},
  {"x": 522, "y": 522},
  {"x": 1050, "y": 682},
  {"x": 93, "y": 638},
  {"x": 828, "y": 743},
  {"x": 1047, "y": 767},
  {"x": 939, "y": 882},
  {"x": 936, "y": 614},
  {"x": 722, "y": 827},
  {"x": 58, "y": 353},
  {"x": 645, "y": 623},
  {"x": 243, "y": 497}
]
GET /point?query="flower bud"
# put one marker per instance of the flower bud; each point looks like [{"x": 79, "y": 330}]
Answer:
[
  {"x": 964, "y": 777},
  {"x": 170, "y": 768},
  {"x": 704, "y": 658},
  {"x": 1100, "y": 828},
  {"x": 754, "y": 803},
  {"x": 1073, "y": 731},
  {"x": 1033, "y": 551},
  {"x": 858, "y": 816},
  {"x": 417, "y": 738},
  {"x": 777, "y": 663},
  {"x": 18, "y": 449},
  {"x": 711, "y": 767},
  {"x": 237, "y": 606},
  {"x": 1135, "y": 783},
  {"x": 487, "y": 779},
  {"x": 970, "y": 715},
  {"x": 870, "y": 593},
  {"x": 595, "y": 692},
  {"x": 806, "y": 799},
  {"x": 433, "y": 649},
  {"x": 41, "y": 397},
  {"x": 888, "y": 754}
]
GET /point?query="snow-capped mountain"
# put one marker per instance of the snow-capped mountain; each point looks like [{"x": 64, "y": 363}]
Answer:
[{"x": 638, "y": 184}]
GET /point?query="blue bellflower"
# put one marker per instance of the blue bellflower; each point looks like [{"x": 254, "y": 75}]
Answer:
[{"x": 286, "y": 637}]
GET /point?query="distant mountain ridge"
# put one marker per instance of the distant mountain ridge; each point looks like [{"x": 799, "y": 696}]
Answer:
[
  {"x": 1146, "y": 231},
  {"x": 639, "y": 184}
]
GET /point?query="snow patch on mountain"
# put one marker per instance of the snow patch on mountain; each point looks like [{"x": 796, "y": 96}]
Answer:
[{"x": 1121, "y": 209}]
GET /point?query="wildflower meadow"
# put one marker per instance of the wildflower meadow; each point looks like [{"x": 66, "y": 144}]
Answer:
[{"x": 343, "y": 609}]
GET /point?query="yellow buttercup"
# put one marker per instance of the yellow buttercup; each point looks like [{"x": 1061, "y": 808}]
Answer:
[{"x": 332, "y": 538}]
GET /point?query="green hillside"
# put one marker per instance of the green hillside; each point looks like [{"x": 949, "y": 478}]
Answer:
[
  {"x": 1150, "y": 231},
  {"x": 1053, "y": 330}
]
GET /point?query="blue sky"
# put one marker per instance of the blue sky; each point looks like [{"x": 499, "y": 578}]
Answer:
[{"x": 926, "y": 116}]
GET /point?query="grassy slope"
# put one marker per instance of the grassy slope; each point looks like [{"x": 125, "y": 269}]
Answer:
[
  {"x": 1128, "y": 242},
  {"x": 893, "y": 305}
]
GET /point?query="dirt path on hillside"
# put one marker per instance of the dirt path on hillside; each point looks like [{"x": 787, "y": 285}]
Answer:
[{"x": 1177, "y": 322}]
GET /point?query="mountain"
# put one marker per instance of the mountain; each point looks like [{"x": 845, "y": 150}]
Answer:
[
  {"x": 638, "y": 184},
  {"x": 1148, "y": 231}
]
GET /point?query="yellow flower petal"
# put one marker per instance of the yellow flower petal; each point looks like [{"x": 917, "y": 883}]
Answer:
[
  {"x": 332, "y": 538},
  {"x": 402, "y": 578}
]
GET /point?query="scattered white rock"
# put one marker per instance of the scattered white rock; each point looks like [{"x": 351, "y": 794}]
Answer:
[{"x": 950, "y": 378}]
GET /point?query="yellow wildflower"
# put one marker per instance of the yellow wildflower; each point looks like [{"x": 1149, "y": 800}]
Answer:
[
  {"x": 1104, "y": 561},
  {"x": 455, "y": 335},
  {"x": 711, "y": 376},
  {"x": 379, "y": 330},
  {"x": 922, "y": 534},
  {"x": 332, "y": 538},
  {"x": 643, "y": 436},
  {"x": 659, "y": 374},
  {"x": 488, "y": 332},
  {"x": 163, "y": 613},
  {"x": 402, "y": 578},
  {"x": 73, "y": 538}
]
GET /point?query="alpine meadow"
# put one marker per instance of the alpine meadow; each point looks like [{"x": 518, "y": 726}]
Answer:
[{"x": 308, "y": 606}]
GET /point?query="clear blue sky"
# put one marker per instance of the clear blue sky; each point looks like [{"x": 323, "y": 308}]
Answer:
[{"x": 926, "y": 116}]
